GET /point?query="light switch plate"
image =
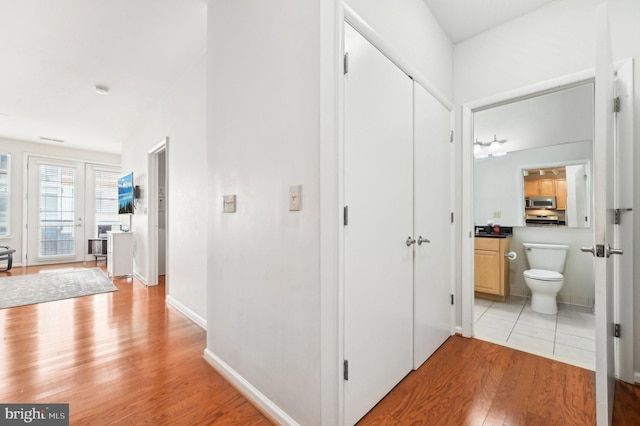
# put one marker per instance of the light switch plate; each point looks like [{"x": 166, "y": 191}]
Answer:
[
  {"x": 295, "y": 198},
  {"x": 229, "y": 203}
]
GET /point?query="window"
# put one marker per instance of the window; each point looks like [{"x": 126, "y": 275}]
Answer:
[
  {"x": 5, "y": 189},
  {"x": 57, "y": 211},
  {"x": 106, "y": 202}
]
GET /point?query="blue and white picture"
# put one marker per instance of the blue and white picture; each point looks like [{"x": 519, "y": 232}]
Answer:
[{"x": 125, "y": 194}]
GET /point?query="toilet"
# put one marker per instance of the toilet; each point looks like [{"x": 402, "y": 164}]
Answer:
[{"x": 544, "y": 278}]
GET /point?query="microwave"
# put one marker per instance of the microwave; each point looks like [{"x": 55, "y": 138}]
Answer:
[{"x": 540, "y": 202}]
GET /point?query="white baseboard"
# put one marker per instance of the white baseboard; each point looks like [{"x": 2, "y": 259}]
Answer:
[
  {"x": 141, "y": 278},
  {"x": 636, "y": 376},
  {"x": 248, "y": 390},
  {"x": 187, "y": 312},
  {"x": 458, "y": 330}
]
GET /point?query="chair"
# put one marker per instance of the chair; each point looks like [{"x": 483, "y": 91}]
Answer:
[{"x": 6, "y": 253}]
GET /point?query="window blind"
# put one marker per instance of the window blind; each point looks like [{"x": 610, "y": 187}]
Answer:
[
  {"x": 106, "y": 202},
  {"x": 5, "y": 188},
  {"x": 57, "y": 211}
]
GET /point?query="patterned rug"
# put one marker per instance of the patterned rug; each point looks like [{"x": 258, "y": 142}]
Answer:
[{"x": 22, "y": 290}]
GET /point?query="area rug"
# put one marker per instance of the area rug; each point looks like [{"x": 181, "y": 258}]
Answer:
[{"x": 22, "y": 290}]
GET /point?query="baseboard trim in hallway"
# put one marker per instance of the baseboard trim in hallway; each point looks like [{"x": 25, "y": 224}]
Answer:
[{"x": 257, "y": 398}]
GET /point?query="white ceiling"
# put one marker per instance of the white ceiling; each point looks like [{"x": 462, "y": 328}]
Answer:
[
  {"x": 53, "y": 53},
  {"x": 462, "y": 19}
]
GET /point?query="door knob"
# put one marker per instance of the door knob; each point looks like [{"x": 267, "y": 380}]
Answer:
[
  {"x": 588, "y": 250},
  {"x": 410, "y": 241},
  {"x": 598, "y": 250},
  {"x": 611, "y": 251},
  {"x": 422, "y": 240}
]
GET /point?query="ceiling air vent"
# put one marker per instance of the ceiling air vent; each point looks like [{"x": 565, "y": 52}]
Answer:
[{"x": 51, "y": 139}]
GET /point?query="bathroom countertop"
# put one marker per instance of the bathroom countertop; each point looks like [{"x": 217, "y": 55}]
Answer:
[
  {"x": 487, "y": 232},
  {"x": 486, "y": 235}
]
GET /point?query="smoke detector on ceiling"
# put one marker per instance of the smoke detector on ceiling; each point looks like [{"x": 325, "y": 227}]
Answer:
[{"x": 102, "y": 90}]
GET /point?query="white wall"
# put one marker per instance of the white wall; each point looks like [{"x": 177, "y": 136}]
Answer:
[
  {"x": 554, "y": 41},
  {"x": 265, "y": 319},
  {"x": 410, "y": 28},
  {"x": 18, "y": 150},
  {"x": 180, "y": 115},
  {"x": 264, "y": 122}
]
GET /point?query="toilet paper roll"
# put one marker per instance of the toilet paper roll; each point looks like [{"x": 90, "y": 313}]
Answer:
[{"x": 511, "y": 255}]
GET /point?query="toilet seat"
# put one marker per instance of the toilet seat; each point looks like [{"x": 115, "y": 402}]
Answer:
[{"x": 543, "y": 275}]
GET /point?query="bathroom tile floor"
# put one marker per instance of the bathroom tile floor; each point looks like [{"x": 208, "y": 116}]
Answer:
[{"x": 568, "y": 336}]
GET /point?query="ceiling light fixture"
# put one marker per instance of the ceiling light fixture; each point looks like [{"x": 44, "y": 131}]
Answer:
[
  {"x": 102, "y": 90},
  {"x": 489, "y": 149}
]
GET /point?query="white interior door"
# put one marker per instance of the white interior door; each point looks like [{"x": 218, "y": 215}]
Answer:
[
  {"x": 378, "y": 177},
  {"x": 55, "y": 211},
  {"x": 603, "y": 224},
  {"x": 432, "y": 222}
]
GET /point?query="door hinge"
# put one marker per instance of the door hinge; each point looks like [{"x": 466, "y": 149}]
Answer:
[
  {"x": 616, "y": 104},
  {"x": 616, "y": 330},
  {"x": 346, "y": 62},
  {"x": 617, "y": 213},
  {"x": 346, "y": 369},
  {"x": 451, "y": 217},
  {"x": 452, "y": 299},
  {"x": 451, "y": 137},
  {"x": 345, "y": 215}
]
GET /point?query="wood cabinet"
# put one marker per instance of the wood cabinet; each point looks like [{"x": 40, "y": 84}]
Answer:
[
  {"x": 531, "y": 188},
  {"x": 539, "y": 188},
  {"x": 119, "y": 253},
  {"x": 561, "y": 194},
  {"x": 546, "y": 187},
  {"x": 491, "y": 274}
]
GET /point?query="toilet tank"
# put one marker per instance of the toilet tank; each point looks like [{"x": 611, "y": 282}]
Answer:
[{"x": 549, "y": 257}]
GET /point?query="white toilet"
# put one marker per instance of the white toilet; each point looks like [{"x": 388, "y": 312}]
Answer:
[{"x": 544, "y": 278}]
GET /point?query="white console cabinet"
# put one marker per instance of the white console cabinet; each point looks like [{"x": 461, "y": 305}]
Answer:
[{"x": 119, "y": 253}]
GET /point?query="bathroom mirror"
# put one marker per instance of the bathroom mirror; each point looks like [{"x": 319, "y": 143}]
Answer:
[
  {"x": 550, "y": 132},
  {"x": 558, "y": 195}
]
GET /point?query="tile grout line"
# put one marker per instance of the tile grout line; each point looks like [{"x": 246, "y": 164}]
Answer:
[{"x": 517, "y": 318}]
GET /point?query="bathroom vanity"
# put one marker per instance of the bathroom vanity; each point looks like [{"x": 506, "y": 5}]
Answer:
[{"x": 491, "y": 265}]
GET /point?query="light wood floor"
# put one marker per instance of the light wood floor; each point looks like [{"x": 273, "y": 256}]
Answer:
[{"x": 126, "y": 358}]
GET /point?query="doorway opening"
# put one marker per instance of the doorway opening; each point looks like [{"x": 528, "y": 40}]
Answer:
[
  {"x": 157, "y": 160},
  {"x": 470, "y": 309}
]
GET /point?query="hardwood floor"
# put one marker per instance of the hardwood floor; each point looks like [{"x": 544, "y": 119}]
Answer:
[
  {"x": 473, "y": 382},
  {"x": 126, "y": 358},
  {"x": 121, "y": 358}
]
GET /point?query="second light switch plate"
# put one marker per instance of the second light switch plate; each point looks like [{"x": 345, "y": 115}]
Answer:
[
  {"x": 229, "y": 203},
  {"x": 295, "y": 198}
]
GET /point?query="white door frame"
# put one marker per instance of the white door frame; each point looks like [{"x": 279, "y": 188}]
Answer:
[
  {"x": 467, "y": 225},
  {"x": 33, "y": 203},
  {"x": 152, "y": 209}
]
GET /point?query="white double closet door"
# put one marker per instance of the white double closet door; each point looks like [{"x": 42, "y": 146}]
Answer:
[{"x": 397, "y": 308}]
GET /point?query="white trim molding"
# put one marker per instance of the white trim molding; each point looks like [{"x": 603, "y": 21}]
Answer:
[
  {"x": 173, "y": 302},
  {"x": 248, "y": 390}
]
